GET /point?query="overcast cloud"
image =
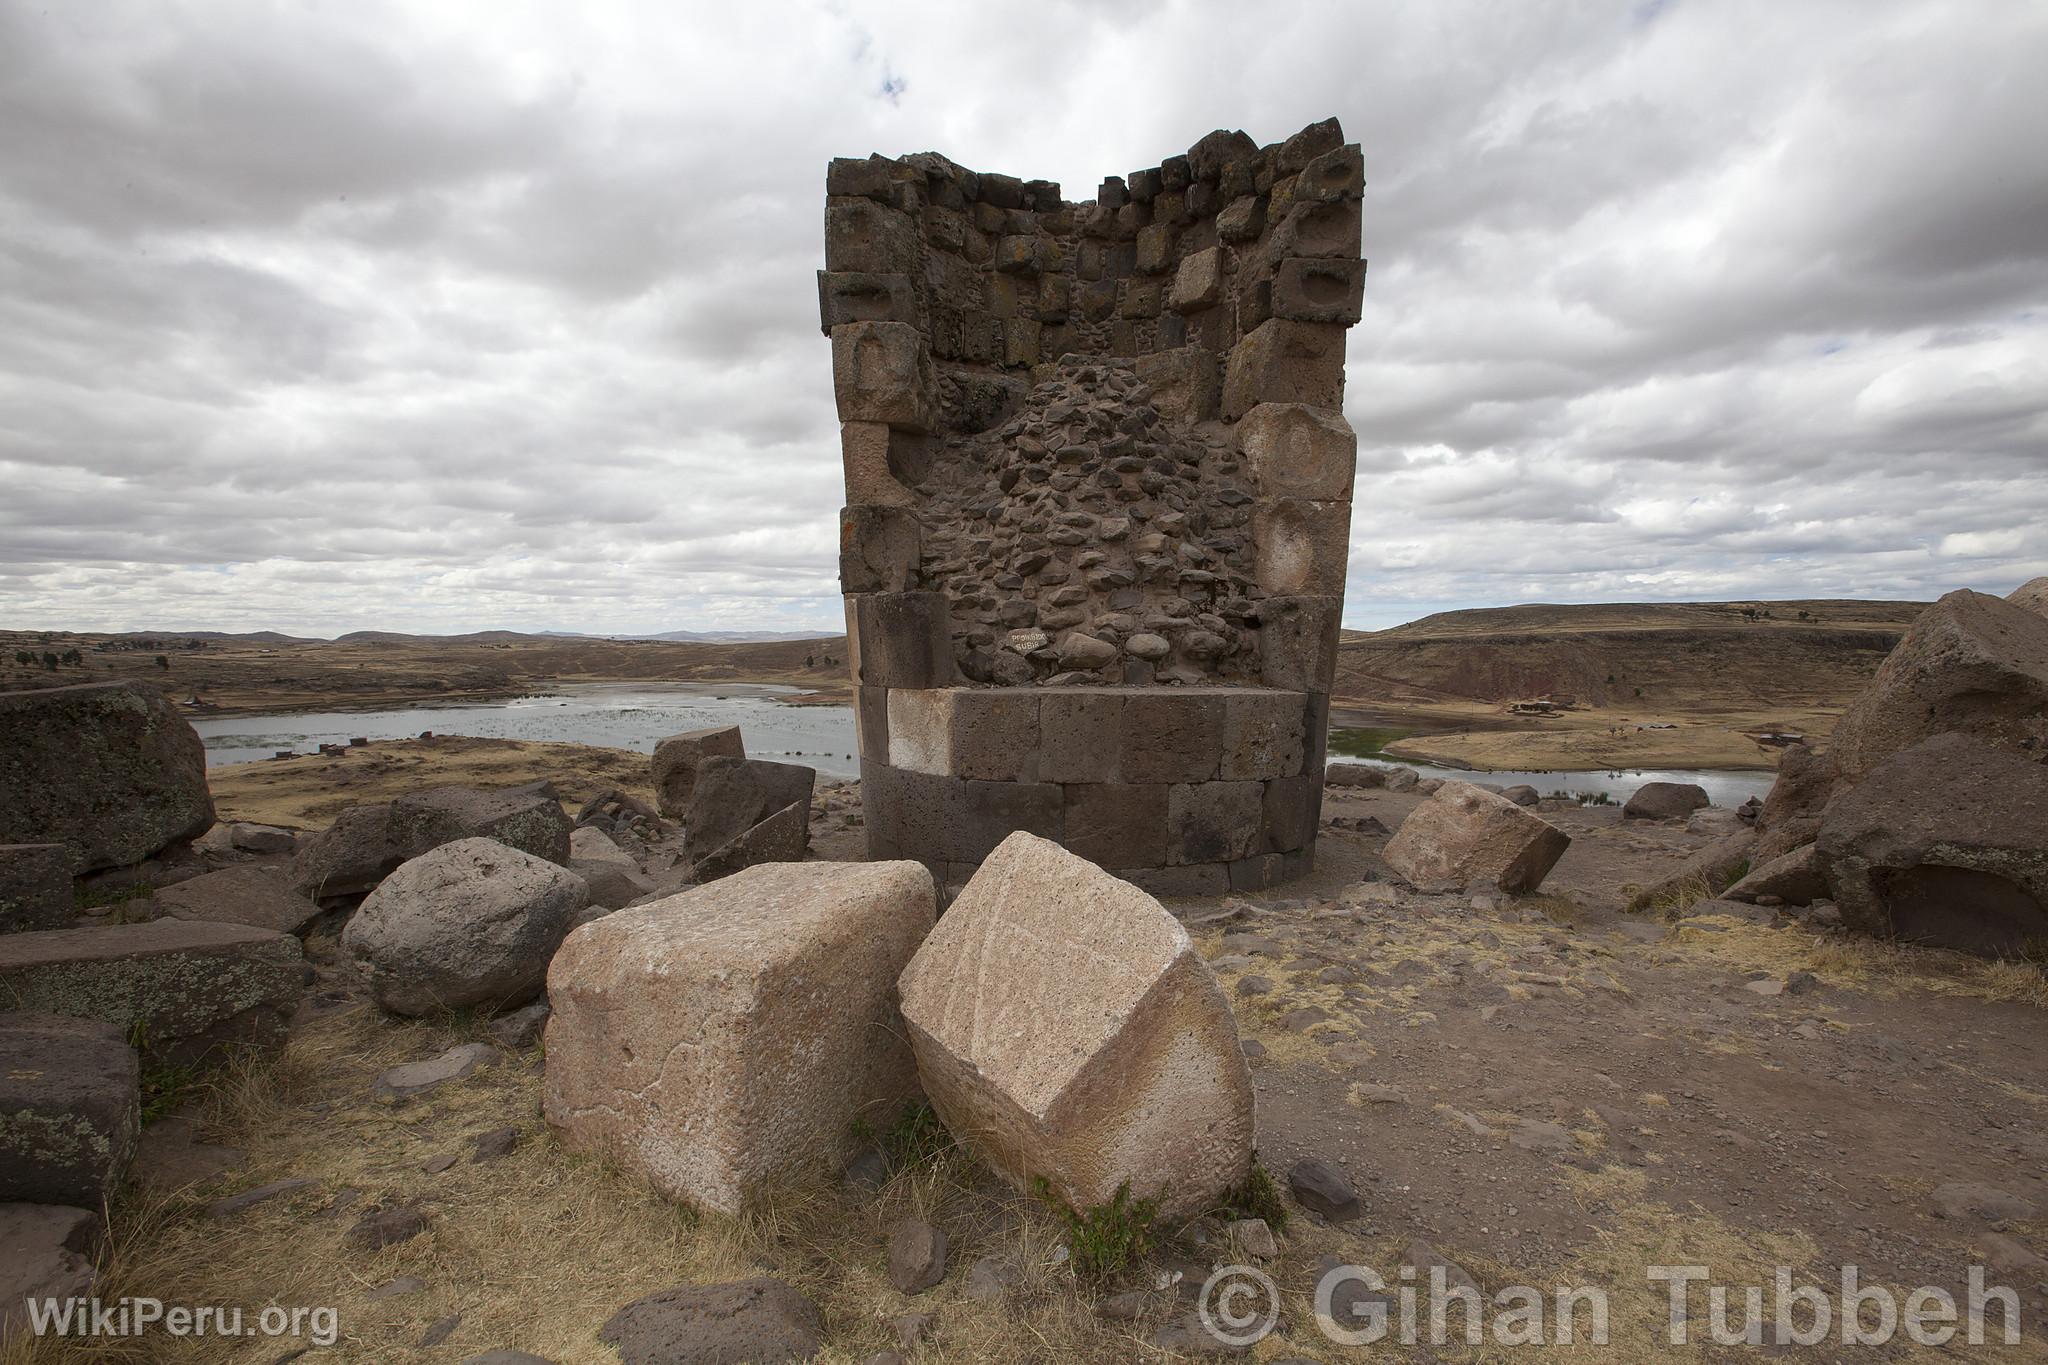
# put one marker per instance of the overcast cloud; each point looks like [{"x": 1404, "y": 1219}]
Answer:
[{"x": 319, "y": 316}]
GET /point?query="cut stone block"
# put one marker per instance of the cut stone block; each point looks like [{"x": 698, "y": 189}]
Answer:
[
  {"x": 1080, "y": 735},
  {"x": 676, "y": 760},
  {"x": 1117, "y": 824},
  {"x": 45, "y": 1253},
  {"x": 1186, "y": 382},
  {"x": 1213, "y": 822},
  {"x": 950, "y": 819},
  {"x": 1262, "y": 735},
  {"x": 1309, "y": 290},
  {"x": 862, "y": 296},
  {"x": 782, "y": 837},
  {"x": 878, "y": 549},
  {"x": 1198, "y": 284},
  {"x": 469, "y": 923},
  {"x": 1324, "y": 231},
  {"x": 261, "y": 896},
  {"x": 869, "y": 239},
  {"x": 518, "y": 818},
  {"x": 882, "y": 372},
  {"x": 722, "y": 1043},
  {"x": 1298, "y": 642},
  {"x": 1293, "y": 811},
  {"x": 1285, "y": 362},
  {"x": 1171, "y": 735},
  {"x": 1302, "y": 546},
  {"x": 184, "y": 988},
  {"x": 35, "y": 887},
  {"x": 350, "y": 856},
  {"x": 109, "y": 770},
  {"x": 903, "y": 639},
  {"x": 1293, "y": 450},
  {"x": 986, "y": 733},
  {"x": 881, "y": 463},
  {"x": 70, "y": 1109},
  {"x": 1066, "y": 1028},
  {"x": 733, "y": 795},
  {"x": 1464, "y": 838}
]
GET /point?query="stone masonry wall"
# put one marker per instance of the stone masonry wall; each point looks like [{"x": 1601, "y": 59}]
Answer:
[{"x": 1094, "y": 446}]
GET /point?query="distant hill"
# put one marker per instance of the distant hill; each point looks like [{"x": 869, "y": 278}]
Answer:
[
  {"x": 702, "y": 637},
  {"x": 1802, "y": 651}
]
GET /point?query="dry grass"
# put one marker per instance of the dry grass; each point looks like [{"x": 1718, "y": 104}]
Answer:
[
  {"x": 1673, "y": 899},
  {"x": 537, "y": 1250},
  {"x": 1876, "y": 965}
]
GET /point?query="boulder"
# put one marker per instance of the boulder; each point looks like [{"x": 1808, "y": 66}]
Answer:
[
  {"x": 759, "y": 1320},
  {"x": 1793, "y": 878},
  {"x": 676, "y": 760},
  {"x": 1703, "y": 876},
  {"x": 1791, "y": 813},
  {"x": 45, "y": 1253},
  {"x": 1944, "y": 843},
  {"x": 1401, "y": 779},
  {"x": 782, "y": 838},
  {"x": 472, "y": 922},
  {"x": 1463, "y": 838},
  {"x": 1664, "y": 801},
  {"x": 611, "y": 873},
  {"x": 1341, "y": 774},
  {"x": 261, "y": 896},
  {"x": 1065, "y": 1027},
  {"x": 183, "y": 988},
  {"x": 526, "y": 818},
  {"x": 110, "y": 770},
  {"x": 70, "y": 1109},
  {"x": 1971, "y": 665},
  {"x": 35, "y": 887},
  {"x": 2032, "y": 595},
  {"x": 1522, "y": 795},
  {"x": 733, "y": 795},
  {"x": 349, "y": 857},
  {"x": 722, "y": 1042}
]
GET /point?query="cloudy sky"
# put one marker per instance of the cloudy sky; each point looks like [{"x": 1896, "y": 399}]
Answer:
[{"x": 324, "y": 315}]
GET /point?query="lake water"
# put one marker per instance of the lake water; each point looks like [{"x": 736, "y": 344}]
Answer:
[
  {"x": 616, "y": 715},
  {"x": 1722, "y": 788},
  {"x": 638, "y": 715}
]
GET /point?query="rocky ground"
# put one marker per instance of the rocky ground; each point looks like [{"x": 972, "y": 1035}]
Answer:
[{"x": 1544, "y": 1090}]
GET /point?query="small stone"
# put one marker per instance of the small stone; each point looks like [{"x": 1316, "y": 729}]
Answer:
[
  {"x": 989, "y": 1278},
  {"x": 441, "y": 1331},
  {"x": 1322, "y": 1188},
  {"x": 415, "y": 1078},
  {"x": 917, "y": 1256},
  {"x": 495, "y": 1145},
  {"x": 379, "y": 1228},
  {"x": 438, "y": 1164},
  {"x": 395, "y": 1289},
  {"x": 1253, "y": 1237},
  {"x": 519, "y": 1030},
  {"x": 249, "y": 1199}
]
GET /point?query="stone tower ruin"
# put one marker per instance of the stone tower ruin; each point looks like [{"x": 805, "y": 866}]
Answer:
[{"x": 1098, "y": 485}]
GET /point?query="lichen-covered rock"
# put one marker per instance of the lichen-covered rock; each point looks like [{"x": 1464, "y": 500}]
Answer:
[
  {"x": 469, "y": 923},
  {"x": 1066, "y": 1028},
  {"x": 349, "y": 857},
  {"x": 522, "y": 818},
  {"x": 261, "y": 896},
  {"x": 184, "y": 989},
  {"x": 109, "y": 770},
  {"x": 1971, "y": 665},
  {"x": 1944, "y": 843},
  {"x": 70, "y": 1109},
  {"x": 723, "y": 1042},
  {"x": 35, "y": 887},
  {"x": 1464, "y": 838}
]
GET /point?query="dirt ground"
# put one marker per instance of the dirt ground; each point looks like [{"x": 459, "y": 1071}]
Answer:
[
  {"x": 1547, "y": 1091},
  {"x": 1703, "y": 734}
]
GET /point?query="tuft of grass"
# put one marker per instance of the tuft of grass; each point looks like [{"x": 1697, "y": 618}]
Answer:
[
  {"x": 1257, "y": 1196},
  {"x": 1673, "y": 900},
  {"x": 1108, "y": 1239},
  {"x": 165, "y": 1084}
]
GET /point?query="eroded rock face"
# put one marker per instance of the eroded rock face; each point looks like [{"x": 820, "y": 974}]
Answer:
[
  {"x": 1791, "y": 813},
  {"x": 1944, "y": 843},
  {"x": 2032, "y": 594},
  {"x": 1464, "y": 837},
  {"x": 70, "y": 1112},
  {"x": 723, "y": 1041},
  {"x": 1794, "y": 878},
  {"x": 1971, "y": 665},
  {"x": 35, "y": 887},
  {"x": 469, "y": 923},
  {"x": 184, "y": 988},
  {"x": 1065, "y": 1027},
  {"x": 109, "y": 770}
]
